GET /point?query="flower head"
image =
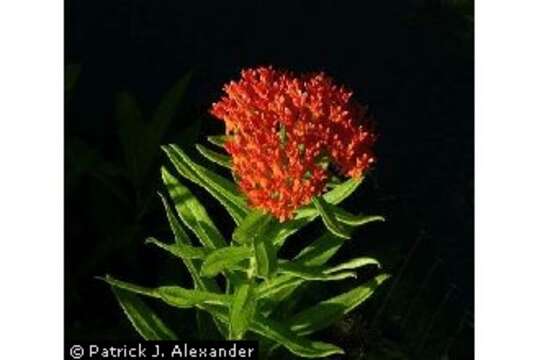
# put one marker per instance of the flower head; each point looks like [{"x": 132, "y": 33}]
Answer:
[{"x": 285, "y": 131}]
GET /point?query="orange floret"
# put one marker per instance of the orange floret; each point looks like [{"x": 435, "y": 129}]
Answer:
[{"x": 285, "y": 130}]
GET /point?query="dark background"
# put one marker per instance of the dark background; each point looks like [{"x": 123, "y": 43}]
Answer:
[{"x": 411, "y": 61}]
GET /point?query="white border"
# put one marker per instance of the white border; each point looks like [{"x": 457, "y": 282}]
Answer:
[
  {"x": 507, "y": 311},
  {"x": 31, "y": 180}
]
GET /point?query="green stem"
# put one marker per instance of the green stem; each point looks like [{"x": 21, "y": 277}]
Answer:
[
  {"x": 251, "y": 269},
  {"x": 250, "y": 278}
]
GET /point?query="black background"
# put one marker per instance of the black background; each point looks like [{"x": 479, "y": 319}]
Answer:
[{"x": 411, "y": 61}]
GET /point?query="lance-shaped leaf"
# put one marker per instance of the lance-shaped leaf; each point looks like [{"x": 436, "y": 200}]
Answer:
[
  {"x": 145, "y": 321},
  {"x": 192, "y": 213},
  {"x": 255, "y": 229},
  {"x": 167, "y": 108},
  {"x": 219, "y": 187},
  {"x": 242, "y": 310},
  {"x": 295, "y": 273},
  {"x": 186, "y": 298},
  {"x": 278, "y": 285},
  {"x": 131, "y": 127},
  {"x": 308, "y": 213},
  {"x": 279, "y": 333},
  {"x": 353, "y": 264},
  {"x": 224, "y": 259},
  {"x": 183, "y": 169},
  {"x": 215, "y": 157},
  {"x": 300, "y": 346},
  {"x": 312, "y": 273},
  {"x": 327, "y": 312},
  {"x": 279, "y": 288},
  {"x": 173, "y": 295},
  {"x": 141, "y": 290},
  {"x": 218, "y": 140},
  {"x": 281, "y": 231},
  {"x": 181, "y": 238},
  {"x": 329, "y": 218},
  {"x": 254, "y": 226},
  {"x": 346, "y": 217},
  {"x": 265, "y": 257},
  {"x": 334, "y": 197},
  {"x": 213, "y": 181},
  {"x": 180, "y": 250},
  {"x": 179, "y": 233},
  {"x": 316, "y": 254},
  {"x": 151, "y": 134},
  {"x": 320, "y": 250},
  {"x": 342, "y": 191}
]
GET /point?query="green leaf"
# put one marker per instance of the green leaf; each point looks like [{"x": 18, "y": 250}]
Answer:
[
  {"x": 321, "y": 250},
  {"x": 279, "y": 288},
  {"x": 316, "y": 254},
  {"x": 167, "y": 108},
  {"x": 185, "y": 298},
  {"x": 252, "y": 227},
  {"x": 149, "y": 134},
  {"x": 280, "y": 334},
  {"x": 265, "y": 257},
  {"x": 255, "y": 230},
  {"x": 218, "y": 140},
  {"x": 140, "y": 141},
  {"x": 219, "y": 187},
  {"x": 312, "y": 273},
  {"x": 141, "y": 290},
  {"x": 353, "y": 264},
  {"x": 173, "y": 295},
  {"x": 342, "y": 191},
  {"x": 242, "y": 310},
  {"x": 144, "y": 319},
  {"x": 224, "y": 259},
  {"x": 334, "y": 197},
  {"x": 181, "y": 166},
  {"x": 327, "y": 312},
  {"x": 308, "y": 213},
  {"x": 297, "y": 345},
  {"x": 180, "y": 250},
  {"x": 131, "y": 128},
  {"x": 215, "y": 157},
  {"x": 345, "y": 217},
  {"x": 181, "y": 238},
  {"x": 213, "y": 181},
  {"x": 179, "y": 233},
  {"x": 192, "y": 213},
  {"x": 329, "y": 218},
  {"x": 278, "y": 284},
  {"x": 281, "y": 231},
  {"x": 295, "y": 273}
]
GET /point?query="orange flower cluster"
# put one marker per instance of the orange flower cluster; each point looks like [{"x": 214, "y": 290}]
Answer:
[{"x": 284, "y": 132}]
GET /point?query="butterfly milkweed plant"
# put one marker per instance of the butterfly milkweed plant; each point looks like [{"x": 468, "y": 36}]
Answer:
[{"x": 296, "y": 147}]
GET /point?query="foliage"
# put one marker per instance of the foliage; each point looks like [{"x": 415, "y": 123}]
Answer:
[
  {"x": 117, "y": 183},
  {"x": 256, "y": 279}
]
